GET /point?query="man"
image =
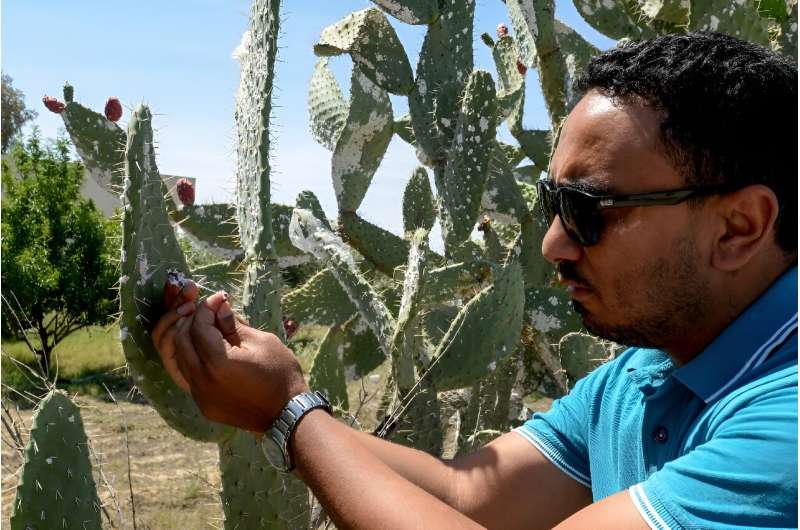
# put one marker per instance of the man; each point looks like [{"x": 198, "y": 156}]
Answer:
[{"x": 672, "y": 199}]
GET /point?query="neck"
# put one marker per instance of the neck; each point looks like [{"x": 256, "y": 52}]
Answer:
[{"x": 733, "y": 292}]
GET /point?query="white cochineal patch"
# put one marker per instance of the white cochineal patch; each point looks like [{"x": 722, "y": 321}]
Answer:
[
  {"x": 309, "y": 235},
  {"x": 399, "y": 11},
  {"x": 542, "y": 321}
]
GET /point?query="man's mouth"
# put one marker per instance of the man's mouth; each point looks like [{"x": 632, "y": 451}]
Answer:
[{"x": 568, "y": 277}]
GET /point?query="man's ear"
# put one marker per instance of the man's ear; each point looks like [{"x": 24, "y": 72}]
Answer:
[{"x": 747, "y": 226}]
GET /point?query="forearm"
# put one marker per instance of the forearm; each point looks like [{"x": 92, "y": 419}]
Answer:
[{"x": 359, "y": 489}]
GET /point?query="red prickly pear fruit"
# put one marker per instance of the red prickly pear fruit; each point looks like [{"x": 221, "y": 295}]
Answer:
[
  {"x": 113, "y": 109},
  {"x": 185, "y": 191},
  {"x": 502, "y": 30},
  {"x": 290, "y": 327},
  {"x": 521, "y": 68},
  {"x": 53, "y": 105}
]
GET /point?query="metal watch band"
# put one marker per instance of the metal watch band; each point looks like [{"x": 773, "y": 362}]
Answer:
[{"x": 297, "y": 407}]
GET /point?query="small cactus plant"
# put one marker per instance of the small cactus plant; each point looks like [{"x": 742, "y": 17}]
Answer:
[{"x": 56, "y": 488}]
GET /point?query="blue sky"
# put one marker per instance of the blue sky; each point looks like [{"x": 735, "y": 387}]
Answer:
[{"x": 176, "y": 57}]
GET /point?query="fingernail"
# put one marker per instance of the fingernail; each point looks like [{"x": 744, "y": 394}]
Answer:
[
  {"x": 225, "y": 296},
  {"x": 186, "y": 308}
]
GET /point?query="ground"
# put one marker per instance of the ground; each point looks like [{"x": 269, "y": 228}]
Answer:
[{"x": 175, "y": 481}]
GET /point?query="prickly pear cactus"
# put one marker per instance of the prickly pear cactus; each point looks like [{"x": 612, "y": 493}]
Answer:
[
  {"x": 467, "y": 333},
  {"x": 56, "y": 488}
]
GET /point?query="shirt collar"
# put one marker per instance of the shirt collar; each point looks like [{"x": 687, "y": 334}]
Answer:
[{"x": 746, "y": 343}]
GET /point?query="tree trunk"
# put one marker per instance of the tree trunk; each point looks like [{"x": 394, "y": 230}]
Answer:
[{"x": 45, "y": 351}]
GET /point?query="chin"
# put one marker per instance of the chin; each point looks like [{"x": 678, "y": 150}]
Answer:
[{"x": 620, "y": 334}]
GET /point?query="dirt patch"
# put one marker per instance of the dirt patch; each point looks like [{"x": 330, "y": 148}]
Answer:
[{"x": 175, "y": 480}]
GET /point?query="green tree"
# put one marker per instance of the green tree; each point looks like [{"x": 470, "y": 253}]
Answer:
[
  {"x": 14, "y": 114},
  {"x": 58, "y": 269}
]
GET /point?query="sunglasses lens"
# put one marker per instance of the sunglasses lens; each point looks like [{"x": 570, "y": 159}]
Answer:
[
  {"x": 581, "y": 219},
  {"x": 547, "y": 201}
]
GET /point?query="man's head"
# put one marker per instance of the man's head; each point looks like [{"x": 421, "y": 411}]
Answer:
[{"x": 682, "y": 111}]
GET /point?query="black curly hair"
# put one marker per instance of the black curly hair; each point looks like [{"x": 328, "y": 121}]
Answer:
[{"x": 730, "y": 110}]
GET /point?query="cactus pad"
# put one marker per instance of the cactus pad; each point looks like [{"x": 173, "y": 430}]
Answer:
[
  {"x": 373, "y": 45},
  {"x": 56, "y": 488}
]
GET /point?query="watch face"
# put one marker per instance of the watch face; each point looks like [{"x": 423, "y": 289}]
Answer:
[{"x": 273, "y": 453}]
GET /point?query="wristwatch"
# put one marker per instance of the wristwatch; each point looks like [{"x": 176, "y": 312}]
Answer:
[{"x": 276, "y": 441}]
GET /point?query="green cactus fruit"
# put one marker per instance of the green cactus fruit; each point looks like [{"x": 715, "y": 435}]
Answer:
[
  {"x": 418, "y": 207},
  {"x": 327, "y": 109},
  {"x": 56, "y": 488},
  {"x": 261, "y": 293},
  {"x": 319, "y": 301},
  {"x": 468, "y": 159},
  {"x": 99, "y": 142},
  {"x": 254, "y": 494},
  {"x": 363, "y": 141},
  {"x": 327, "y": 372},
  {"x": 310, "y": 235},
  {"x": 149, "y": 251},
  {"x": 380, "y": 247},
  {"x": 410, "y": 11},
  {"x": 485, "y": 330},
  {"x": 373, "y": 45}
]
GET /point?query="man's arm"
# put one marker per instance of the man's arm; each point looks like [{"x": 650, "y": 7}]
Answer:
[
  {"x": 243, "y": 377},
  {"x": 506, "y": 484}
]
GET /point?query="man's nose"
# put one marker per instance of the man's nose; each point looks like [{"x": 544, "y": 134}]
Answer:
[{"x": 557, "y": 246}]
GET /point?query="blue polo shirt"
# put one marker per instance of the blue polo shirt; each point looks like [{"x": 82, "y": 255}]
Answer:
[{"x": 712, "y": 444}]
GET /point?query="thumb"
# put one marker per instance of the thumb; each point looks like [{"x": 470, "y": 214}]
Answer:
[{"x": 228, "y": 324}]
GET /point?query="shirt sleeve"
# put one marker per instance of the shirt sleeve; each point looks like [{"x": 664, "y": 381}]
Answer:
[
  {"x": 561, "y": 433},
  {"x": 744, "y": 476}
]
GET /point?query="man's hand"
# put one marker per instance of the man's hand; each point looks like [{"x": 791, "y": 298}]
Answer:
[{"x": 238, "y": 375}]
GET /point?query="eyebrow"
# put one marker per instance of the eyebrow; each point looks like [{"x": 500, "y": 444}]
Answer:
[{"x": 588, "y": 184}]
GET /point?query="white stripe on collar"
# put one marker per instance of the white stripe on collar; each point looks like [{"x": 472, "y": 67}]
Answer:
[{"x": 760, "y": 355}]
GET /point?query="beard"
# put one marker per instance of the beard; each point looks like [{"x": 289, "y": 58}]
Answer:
[{"x": 653, "y": 305}]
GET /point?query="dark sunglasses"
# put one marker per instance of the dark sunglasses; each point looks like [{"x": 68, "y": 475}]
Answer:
[{"x": 579, "y": 210}]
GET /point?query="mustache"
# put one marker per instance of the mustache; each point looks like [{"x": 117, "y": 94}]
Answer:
[{"x": 568, "y": 271}]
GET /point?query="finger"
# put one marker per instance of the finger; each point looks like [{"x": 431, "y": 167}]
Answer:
[
  {"x": 206, "y": 336},
  {"x": 189, "y": 363},
  {"x": 207, "y": 309},
  {"x": 166, "y": 348},
  {"x": 226, "y": 322},
  {"x": 169, "y": 319},
  {"x": 190, "y": 291}
]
